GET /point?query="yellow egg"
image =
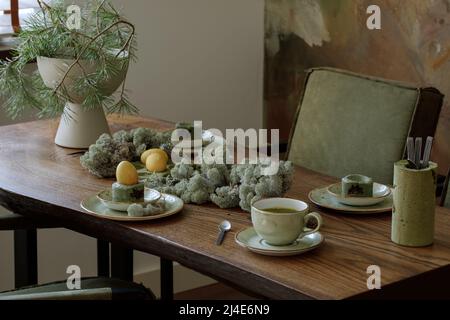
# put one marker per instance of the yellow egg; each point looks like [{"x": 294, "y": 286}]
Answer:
[
  {"x": 126, "y": 173},
  {"x": 145, "y": 154},
  {"x": 156, "y": 162}
]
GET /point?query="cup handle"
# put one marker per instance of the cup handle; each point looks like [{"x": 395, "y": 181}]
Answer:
[{"x": 317, "y": 217}]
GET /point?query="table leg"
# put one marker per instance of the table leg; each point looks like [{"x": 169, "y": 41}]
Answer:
[
  {"x": 166, "y": 279},
  {"x": 25, "y": 258},
  {"x": 121, "y": 262},
  {"x": 102, "y": 258}
]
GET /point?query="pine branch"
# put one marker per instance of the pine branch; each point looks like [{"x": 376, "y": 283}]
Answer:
[
  {"x": 98, "y": 35},
  {"x": 103, "y": 41}
]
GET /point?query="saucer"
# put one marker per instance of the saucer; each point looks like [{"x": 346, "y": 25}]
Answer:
[
  {"x": 323, "y": 198},
  {"x": 143, "y": 173},
  {"x": 95, "y": 207},
  {"x": 105, "y": 197},
  {"x": 249, "y": 239},
  {"x": 380, "y": 193}
]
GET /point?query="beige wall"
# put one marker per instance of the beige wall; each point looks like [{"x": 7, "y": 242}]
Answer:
[{"x": 198, "y": 59}]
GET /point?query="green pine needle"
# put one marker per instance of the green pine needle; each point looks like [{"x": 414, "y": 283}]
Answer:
[{"x": 104, "y": 33}]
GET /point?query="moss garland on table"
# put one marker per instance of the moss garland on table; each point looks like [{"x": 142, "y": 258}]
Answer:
[{"x": 227, "y": 186}]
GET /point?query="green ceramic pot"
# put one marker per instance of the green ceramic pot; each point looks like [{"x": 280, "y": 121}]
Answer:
[
  {"x": 414, "y": 205},
  {"x": 357, "y": 185}
]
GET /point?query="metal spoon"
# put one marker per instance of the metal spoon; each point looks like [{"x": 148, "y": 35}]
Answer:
[{"x": 224, "y": 226}]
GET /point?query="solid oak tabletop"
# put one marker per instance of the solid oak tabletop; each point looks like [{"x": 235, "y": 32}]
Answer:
[{"x": 40, "y": 179}]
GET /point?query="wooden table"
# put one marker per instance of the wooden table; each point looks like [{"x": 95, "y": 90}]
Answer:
[{"x": 40, "y": 179}]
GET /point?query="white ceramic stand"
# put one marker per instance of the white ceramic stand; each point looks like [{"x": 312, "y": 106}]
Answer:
[{"x": 81, "y": 128}]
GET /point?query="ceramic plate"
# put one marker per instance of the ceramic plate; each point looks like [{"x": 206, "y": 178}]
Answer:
[
  {"x": 248, "y": 238},
  {"x": 323, "y": 198},
  {"x": 380, "y": 193},
  {"x": 105, "y": 196},
  {"x": 94, "y": 206},
  {"x": 208, "y": 137},
  {"x": 143, "y": 173}
]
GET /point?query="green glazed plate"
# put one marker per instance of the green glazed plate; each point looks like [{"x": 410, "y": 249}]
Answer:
[
  {"x": 380, "y": 193},
  {"x": 105, "y": 196},
  {"x": 95, "y": 207},
  {"x": 248, "y": 238},
  {"x": 323, "y": 198},
  {"x": 143, "y": 173}
]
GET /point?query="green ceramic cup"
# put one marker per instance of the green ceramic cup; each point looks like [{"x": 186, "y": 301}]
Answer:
[
  {"x": 280, "y": 229},
  {"x": 357, "y": 185}
]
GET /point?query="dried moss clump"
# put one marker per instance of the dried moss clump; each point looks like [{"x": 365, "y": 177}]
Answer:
[
  {"x": 227, "y": 186},
  {"x": 103, "y": 157}
]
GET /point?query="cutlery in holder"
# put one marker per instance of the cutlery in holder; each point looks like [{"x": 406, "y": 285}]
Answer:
[{"x": 414, "y": 152}]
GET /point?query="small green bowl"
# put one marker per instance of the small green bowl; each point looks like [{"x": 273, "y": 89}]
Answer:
[
  {"x": 105, "y": 196},
  {"x": 357, "y": 185}
]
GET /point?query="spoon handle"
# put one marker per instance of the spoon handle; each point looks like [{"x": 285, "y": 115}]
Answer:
[
  {"x": 418, "y": 151},
  {"x": 220, "y": 237}
]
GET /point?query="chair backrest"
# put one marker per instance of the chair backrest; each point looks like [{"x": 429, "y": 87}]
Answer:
[
  {"x": 445, "y": 199},
  {"x": 349, "y": 123},
  {"x": 81, "y": 294},
  {"x": 96, "y": 288}
]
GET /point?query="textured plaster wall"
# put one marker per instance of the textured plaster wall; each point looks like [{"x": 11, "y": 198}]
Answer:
[{"x": 413, "y": 46}]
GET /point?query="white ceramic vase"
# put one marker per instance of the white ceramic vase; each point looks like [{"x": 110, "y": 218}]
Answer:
[{"x": 82, "y": 127}]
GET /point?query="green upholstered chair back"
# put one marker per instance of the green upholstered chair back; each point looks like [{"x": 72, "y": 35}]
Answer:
[
  {"x": 348, "y": 123},
  {"x": 445, "y": 201}
]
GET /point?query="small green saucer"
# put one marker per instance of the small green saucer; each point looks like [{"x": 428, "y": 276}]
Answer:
[
  {"x": 95, "y": 207},
  {"x": 380, "y": 193},
  {"x": 143, "y": 174},
  {"x": 248, "y": 238},
  {"x": 323, "y": 198},
  {"x": 105, "y": 196}
]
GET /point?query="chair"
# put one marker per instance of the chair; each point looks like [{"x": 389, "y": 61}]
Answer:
[
  {"x": 351, "y": 123},
  {"x": 100, "y": 288},
  {"x": 445, "y": 198},
  {"x": 91, "y": 289},
  {"x": 25, "y": 247},
  {"x": 25, "y": 257}
]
